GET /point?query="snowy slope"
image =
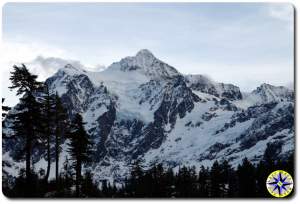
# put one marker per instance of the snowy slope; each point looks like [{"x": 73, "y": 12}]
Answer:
[{"x": 141, "y": 107}]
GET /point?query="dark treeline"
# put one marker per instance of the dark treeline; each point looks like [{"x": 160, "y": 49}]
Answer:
[
  {"x": 219, "y": 181},
  {"x": 41, "y": 125}
]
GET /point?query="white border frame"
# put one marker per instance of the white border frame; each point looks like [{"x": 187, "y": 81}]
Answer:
[{"x": 295, "y": 198}]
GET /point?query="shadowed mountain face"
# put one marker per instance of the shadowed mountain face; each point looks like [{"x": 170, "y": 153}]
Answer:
[{"x": 141, "y": 107}]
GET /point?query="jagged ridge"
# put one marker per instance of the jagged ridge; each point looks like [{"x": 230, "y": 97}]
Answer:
[{"x": 142, "y": 107}]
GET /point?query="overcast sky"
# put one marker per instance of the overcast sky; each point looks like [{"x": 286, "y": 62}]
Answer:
[{"x": 244, "y": 44}]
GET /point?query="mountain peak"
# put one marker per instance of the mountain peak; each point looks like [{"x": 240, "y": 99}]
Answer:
[
  {"x": 268, "y": 87},
  {"x": 267, "y": 93},
  {"x": 265, "y": 86},
  {"x": 145, "y": 53},
  {"x": 145, "y": 63},
  {"x": 70, "y": 70},
  {"x": 145, "y": 57},
  {"x": 69, "y": 66}
]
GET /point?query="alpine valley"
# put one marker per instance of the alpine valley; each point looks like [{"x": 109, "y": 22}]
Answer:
[{"x": 142, "y": 108}]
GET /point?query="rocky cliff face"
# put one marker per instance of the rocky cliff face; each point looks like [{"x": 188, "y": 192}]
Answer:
[
  {"x": 221, "y": 90},
  {"x": 143, "y": 108}
]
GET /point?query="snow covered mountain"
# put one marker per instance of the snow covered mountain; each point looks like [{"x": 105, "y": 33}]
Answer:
[
  {"x": 221, "y": 90},
  {"x": 141, "y": 107}
]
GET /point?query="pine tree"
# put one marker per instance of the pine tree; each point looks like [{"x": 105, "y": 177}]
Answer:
[
  {"x": 79, "y": 148},
  {"x": 159, "y": 183},
  {"x": 246, "y": 179},
  {"x": 136, "y": 179},
  {"x": 216, "y": 180},
  {"x": 186, "y": 182},
  {"x": 26, "y": 124},
  {"x": 89, "y": 188},
  {"x": 270, "y": 156},
  {"x": 23, "y": 80},
  {"x": 203, "y": 182},
  {"x": 233, "y": 184},
  {"x": 48, "y": 116},
  {"x": 290, "y": 164},
  {"x": 105, "y": 189},
  {"x": 60, "y": 125},
  {"x": 170, "y": 184},
  {"x": 226, "y": 171},
  {"x": 261, "y": 175}
]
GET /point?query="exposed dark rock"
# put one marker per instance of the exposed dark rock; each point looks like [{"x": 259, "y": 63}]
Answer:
[
  {"x": 208, "y": 116},
  {"x": 212, "y": 151}
]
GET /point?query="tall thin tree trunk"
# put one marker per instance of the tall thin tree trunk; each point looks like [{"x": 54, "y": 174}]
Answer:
[
  {"x": 28, "y": 161},
  {"x": 56, "y": 156},
  {"x": 48, "y": 132},
  {"x": 48, "y": 158},
  {"x": 57, "y": 138},
  {"x": 78, "y": 178}
]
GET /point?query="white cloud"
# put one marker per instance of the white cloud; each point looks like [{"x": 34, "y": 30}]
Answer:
[
  {"x": 24, "y": 52},
  {"x": 17, "y": 52},
  {"x": 40, "y": 59}
]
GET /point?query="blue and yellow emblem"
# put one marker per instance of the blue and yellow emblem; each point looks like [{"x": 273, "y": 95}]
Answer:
[{"x": 280, "y": 183}]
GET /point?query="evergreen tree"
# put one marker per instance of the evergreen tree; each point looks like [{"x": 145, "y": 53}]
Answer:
[
  {"x": 79, "y": 148},
  {"x": 60, "y": 125},
  {"x": 159, "y": 185},
  {"x": 136, "y": 179},
  {"x": 48, "y": 116},
  {"x": 170, "y": 184},
  {"x": 261, "y": 175},
  {"x": 226, "y": 172},
  {"x": 246, "y": 179},
  {"x": 233, "y": 184},
  {"x": 216, "y": 180},
  {"x": 23, "y": 80},
  {"x": 104, "y": 188},
  {"x": 269, "y": 156},
  {"x": 193, "y": 181},
  {"x": 89, "y": 188},
  {"x": 203, "y": 182},
  {"x": 290, "y": 164},
  {"x": 186, "y": 182},
  {"x": 26, "y": 124}
]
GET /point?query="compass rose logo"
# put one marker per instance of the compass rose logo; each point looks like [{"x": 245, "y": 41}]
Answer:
[{"x": 279, "y": 183}]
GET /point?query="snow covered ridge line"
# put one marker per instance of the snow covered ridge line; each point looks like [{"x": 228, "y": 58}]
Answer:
[{"x": 141, "y": 107}]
